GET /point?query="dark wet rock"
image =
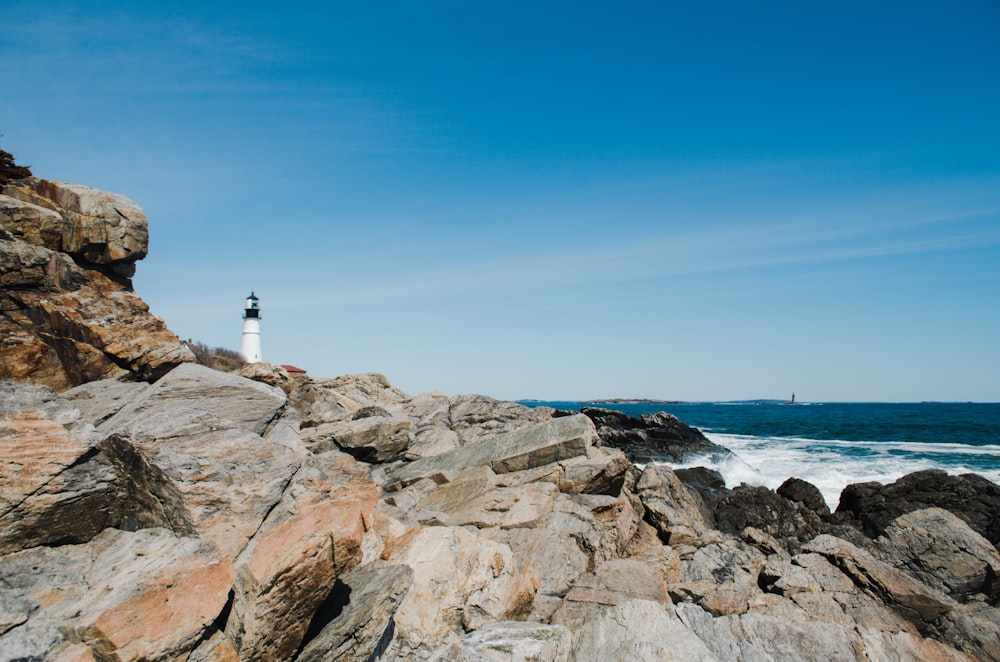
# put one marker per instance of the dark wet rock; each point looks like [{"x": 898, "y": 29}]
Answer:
[
  {"x": 763, "y": 509},
  {"x": 659, "y": 437},
  {"x": 805, "y": 493},
  {"x": 969, "y": 496},
  {"x": 709, "y": 482}
]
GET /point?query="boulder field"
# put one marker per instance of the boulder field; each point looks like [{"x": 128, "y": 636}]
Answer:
[
  {"x": 209, "y": 516},
  {"x": 155, "y": 509}
]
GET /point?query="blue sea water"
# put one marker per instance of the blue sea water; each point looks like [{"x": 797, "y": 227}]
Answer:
[{"x": 834, "y": 444}]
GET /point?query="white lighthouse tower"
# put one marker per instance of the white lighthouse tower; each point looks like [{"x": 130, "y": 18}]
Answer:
[{"x": 250, "y": 346}]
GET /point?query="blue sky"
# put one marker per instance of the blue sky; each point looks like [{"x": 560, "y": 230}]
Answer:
[{"x": 548, "y": 200}]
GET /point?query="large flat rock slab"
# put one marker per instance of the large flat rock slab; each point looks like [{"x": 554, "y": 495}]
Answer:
[
  {"x": 194, "y": 388},
  {"x": 534, "y": 446}
]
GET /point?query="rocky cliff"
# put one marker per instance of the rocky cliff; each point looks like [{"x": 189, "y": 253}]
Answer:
[
  {"x": 68, "y": 314},
  {"x": 208, "y": 516}
]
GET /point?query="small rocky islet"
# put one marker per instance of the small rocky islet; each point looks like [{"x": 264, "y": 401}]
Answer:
[{"x": 156, "y": 509}]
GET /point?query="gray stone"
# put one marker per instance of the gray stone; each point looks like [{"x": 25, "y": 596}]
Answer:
[
  {"x": 14, "y": 608},
  {"x": 640, "y": 631},
  {"x": 530, "y": 447},
  {"x": 359, "y": 631},
  {"x": 369, "y": 439},
  {"x": 56, "y": 486},
  {"x": 912, "y": 599},
  {"x": 513, "y": 640},
  {"x": 942, "y": 551},
  {"x": 98, "y": 401},
  {"x": 477, "y": 417},
  {"x": 191, "y": 388}
]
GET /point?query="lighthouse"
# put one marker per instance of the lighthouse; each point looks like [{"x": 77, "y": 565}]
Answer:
[{"x": 250, "y": 346}]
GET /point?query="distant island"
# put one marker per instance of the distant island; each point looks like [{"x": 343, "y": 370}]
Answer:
[
  {"x": 609, "y": 401},
  {"x": 632, "y": 401}
]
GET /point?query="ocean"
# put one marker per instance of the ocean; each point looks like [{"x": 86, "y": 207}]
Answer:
[{"x": 834, "y": 444}]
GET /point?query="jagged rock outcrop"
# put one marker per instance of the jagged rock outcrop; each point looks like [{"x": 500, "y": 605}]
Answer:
[
  {"x": 659, "y": 437},
  {"x": 67, "y": 311},
  {"x": 537, "y": 542},
  {"x": 969, "y": 496}
]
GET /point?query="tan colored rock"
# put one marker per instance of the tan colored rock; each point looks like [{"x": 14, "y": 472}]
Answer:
[
  {"x": 600, "y": 525},
  {"x": 267, "y": 373},
  {"x": 31, "y": 223},
  {"x": 905, "y": 646},
  {"x": 97, "y": 226},
  {"x": 721, "y": 577},
  {"x": 612, "y": 582},
  {"x": 461, "y": 582},
  {"x": 67, "y": 312},
  {"x": 556, "y": 560},
  {"x": 143, "y": 595},
  {"x": 646, "y": 546},
  {"x": 64, "y": 325},
  {"x": 338, "y": 398},
  {"x": 311, "y": 537},
  {"x": 675, "y": 509},
  {"x": 474, "y": 497}
]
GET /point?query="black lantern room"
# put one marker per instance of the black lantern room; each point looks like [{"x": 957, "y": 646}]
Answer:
[{"x": 252, "y": 308}]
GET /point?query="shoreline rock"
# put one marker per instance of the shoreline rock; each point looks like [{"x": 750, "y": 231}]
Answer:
[{"x": 209, "y": 516}]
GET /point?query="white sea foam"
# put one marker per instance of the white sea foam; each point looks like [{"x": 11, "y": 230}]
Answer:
[{"x": 832, "y": 465}]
